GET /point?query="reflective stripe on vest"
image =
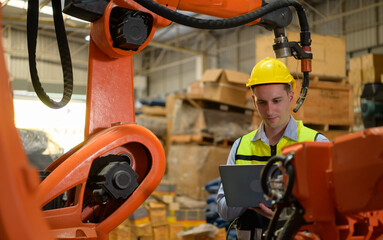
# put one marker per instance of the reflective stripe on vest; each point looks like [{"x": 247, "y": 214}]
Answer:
[{"x": 258, "y": 152}]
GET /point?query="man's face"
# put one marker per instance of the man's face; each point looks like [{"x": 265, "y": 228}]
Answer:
[{"x": 273, "y": 104}]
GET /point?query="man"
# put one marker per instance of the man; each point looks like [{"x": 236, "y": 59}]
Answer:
[{"x": 273, "y": 92}]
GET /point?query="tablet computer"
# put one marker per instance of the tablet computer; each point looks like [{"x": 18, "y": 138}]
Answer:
[{"x": 242, "y": 185}]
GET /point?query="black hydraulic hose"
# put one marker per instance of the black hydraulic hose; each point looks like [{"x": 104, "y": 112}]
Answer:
[
  {"x": 290, "y": 182},
  {"x": 228, "y": 22},
  {"x": 273, "y": 223},
  {"x": 265, "y": 172},
  {"x": 66, "y": 63},
  {"x": 292, "y": 225},
  {"x": 303, "y": 93},
  {"x": 290, "y": 172}
]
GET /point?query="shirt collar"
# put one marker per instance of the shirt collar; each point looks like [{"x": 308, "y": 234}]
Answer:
[{"x": 291, "y": 131}]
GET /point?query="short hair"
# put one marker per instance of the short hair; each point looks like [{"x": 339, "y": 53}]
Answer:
[{"x": 287, "y": 86}]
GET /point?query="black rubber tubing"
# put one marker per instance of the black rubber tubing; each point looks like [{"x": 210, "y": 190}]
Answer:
[
  {"x": 66, "y": 63},
  {"x": 228, "y": 22}
]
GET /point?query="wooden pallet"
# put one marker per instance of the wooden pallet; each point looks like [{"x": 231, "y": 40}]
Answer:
[
  {"x": 329, "y": 127},
  {"x": 322, "y": 78},
  {"x": 332, "y": 134},
  {"x": 202, "y": 139},
  {"x": 202, "y": 102}
]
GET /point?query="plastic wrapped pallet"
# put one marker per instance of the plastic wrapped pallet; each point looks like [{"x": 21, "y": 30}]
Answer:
[
  {"x": 156, "y": 124},
  {"x": 189, "y": 120}
]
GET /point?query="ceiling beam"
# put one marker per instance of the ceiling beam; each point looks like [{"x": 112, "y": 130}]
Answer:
[
  {"x": 170, "y": 47},
  {"x": 3, "y": 4},
  {"x": 313, "y": 9},
  {"x": 43, "y": 3},
  {"x": 344, "y": 14}
]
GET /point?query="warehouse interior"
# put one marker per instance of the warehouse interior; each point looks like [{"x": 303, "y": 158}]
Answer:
[{"x": 190, "y": 92}]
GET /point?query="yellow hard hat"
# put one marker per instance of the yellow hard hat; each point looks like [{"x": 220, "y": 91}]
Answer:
[{"x": 270, "y": 70}]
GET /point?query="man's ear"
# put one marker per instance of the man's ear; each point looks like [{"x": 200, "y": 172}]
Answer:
[
  {"x": 253, "y": 100},
  {"x": 291, "y": 97}
]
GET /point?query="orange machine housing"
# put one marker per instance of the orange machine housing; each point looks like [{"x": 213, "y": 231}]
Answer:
[
  {"x": 110, "y": 128},
  {"x": 340, "y": 185}
]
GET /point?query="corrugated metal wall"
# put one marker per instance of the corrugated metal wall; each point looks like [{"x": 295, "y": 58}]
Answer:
[{"x": 48, "y": 61}]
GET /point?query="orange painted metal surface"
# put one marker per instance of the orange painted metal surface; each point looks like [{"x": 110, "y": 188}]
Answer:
[
  {"x": 130, "y": 139},
  {"x": 110, "y": 91},
  {"x": 100, "y": 30},
  {"x": 221, "y": 8},
  {"x": 357, "y": 170},
  {"x": 20, "y": 215},
  {"x": 339, "y": 185}
]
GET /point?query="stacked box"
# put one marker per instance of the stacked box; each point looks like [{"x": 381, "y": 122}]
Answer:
[
  {"x": 123, "y": 231},
  {"x": 157, "y": 214},
  {"x": 140, "y": 223},
  {"x": 190, "y": 217},
  {"x": 174, "y": 229},
  {"x": 355, "y": 78},
  {"x": 161, "y": 232},
  {"x": 154, "y": 119},
  {"x": 192, "y": 166},
  {"x": 222, "y": 85},
  {"x": 329, "y": 54},
  {"x": 165, "y": 188},
  {"x": 364, "y": 69},
  {"x": 372, "y": 68},
  {"x": 326, "y": 103}
]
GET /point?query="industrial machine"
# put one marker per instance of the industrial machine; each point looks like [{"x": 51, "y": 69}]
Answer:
[
  {"x": 371, "y": 104},
  {"x": 104, "y": 179},
  {"x": 333, "y": 190}
]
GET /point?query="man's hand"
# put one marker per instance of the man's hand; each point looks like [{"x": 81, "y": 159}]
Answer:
[{"x": 263, "y": 210}]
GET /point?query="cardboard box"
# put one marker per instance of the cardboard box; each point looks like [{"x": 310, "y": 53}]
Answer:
[
  {"x": 326, "y": 103},
  {"x": 114, "y": 234},
  {"x": 161, "y": 232},
  {"x": 165, "y": 188},
  {"x": 188, "y": 218},
  {"x": 175, "y": 228},
  {"x": 153, "y": 110},
  {"x": 141, "y": 230},
  {"x": 121, "y": 232},
  {"x": 195, "y": 88},
  {"x": 222, "y": 85},
  {"x": 192, "y": 166},
  {"x": 372, "y": 68},
  {"x": 355, "y": 80},
  {"x": 157, "y": 213},
  {"x": 329, "y": 54},
  {"x": 355, "y": 64},
  {"x": 140, "y": 223},
  {"x": 140, "y": 216},
  {"x": 190, "y": 215}
]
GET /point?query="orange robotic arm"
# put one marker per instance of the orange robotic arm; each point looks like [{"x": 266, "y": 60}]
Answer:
[{"x": 105, "y": 178}]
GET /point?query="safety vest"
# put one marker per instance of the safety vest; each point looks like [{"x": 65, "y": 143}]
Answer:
[{"x": 258, "y": 152}]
